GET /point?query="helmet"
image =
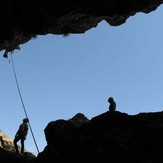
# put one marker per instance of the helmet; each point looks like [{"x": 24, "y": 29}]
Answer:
[{"x": 26, "y": 120}]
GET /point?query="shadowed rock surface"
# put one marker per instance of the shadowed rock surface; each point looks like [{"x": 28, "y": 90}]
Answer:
[
  {"x": 22, "y": 21},
  {"x": 7, "y": 151},
  {"x": 104, "y": 138}
]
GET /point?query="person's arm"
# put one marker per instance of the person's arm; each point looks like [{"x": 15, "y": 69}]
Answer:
[
  {"x": 25, "y": 130},
  {"x": 114, "y": 106}
]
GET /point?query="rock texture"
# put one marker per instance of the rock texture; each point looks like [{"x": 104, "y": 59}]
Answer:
[
  {"x": 6, "y": 142},
  {"x": 7, "y": 151},
  {"x": 107, "y": 137},
  {"x": 22, "y": 21},
  {"x": 9, "y": 156},
  {"x": 113, "y": 138}
]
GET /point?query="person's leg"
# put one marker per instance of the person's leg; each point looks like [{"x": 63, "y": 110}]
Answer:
[
  {"x": 22, "y": 145},
  {"x": 15, "y": 144}
]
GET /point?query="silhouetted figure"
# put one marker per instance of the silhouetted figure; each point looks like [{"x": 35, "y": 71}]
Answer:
[
  {"x": 21, "y": 135},
  {"x": 112, "y": 106}
]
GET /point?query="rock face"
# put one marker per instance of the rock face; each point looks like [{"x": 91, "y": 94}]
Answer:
[
  {"x": 117, "y": 137},
  {"x": 6, "y": 142},
  {"x": 108, "y": 137},
  {"x": 79, "y": 119},
  {"x": 7, "y": 151},
  {"x": 22, "y": 21}
]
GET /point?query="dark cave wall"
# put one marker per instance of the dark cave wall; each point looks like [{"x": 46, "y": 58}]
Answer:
[{"x": 23, "y": 20}]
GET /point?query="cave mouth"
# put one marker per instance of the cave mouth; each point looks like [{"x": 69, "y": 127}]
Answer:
[{"x": 23, "y": 21}]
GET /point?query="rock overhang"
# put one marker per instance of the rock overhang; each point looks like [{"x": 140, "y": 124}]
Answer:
[{"x": 22, "y": 21}]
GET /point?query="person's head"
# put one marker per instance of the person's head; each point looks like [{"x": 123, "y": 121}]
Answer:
[
  {"x": 111, "y": 99},
  {"x": 26, "y": 120}
]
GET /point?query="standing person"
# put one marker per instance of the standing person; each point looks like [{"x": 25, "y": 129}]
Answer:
[
  {"x": 21, "y": 135},
  {"x": 112, "y": 106}
]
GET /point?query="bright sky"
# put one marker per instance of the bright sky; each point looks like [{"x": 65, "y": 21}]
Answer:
[{"x": 62, "y": 76}]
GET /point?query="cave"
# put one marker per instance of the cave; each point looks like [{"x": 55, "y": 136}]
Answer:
[{"x": 22, "y": 21}]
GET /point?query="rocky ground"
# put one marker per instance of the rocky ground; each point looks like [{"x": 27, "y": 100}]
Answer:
[{"x": 117, "y": 137}]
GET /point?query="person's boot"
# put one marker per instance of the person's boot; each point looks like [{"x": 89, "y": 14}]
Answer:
[{"x": 17, "y": 151}]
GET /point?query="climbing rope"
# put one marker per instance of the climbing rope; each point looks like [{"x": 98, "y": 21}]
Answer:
[{"x": 22, "y": 101}]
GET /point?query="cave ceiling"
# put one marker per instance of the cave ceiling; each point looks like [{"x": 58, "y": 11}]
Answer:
[{"x": 23, "y": 20}]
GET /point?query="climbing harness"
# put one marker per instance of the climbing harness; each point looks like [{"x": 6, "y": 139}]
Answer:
[{"x": 12, "y": 61}]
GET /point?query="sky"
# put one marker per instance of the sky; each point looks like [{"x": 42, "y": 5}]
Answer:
[{"x": 61, "y": 76}]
